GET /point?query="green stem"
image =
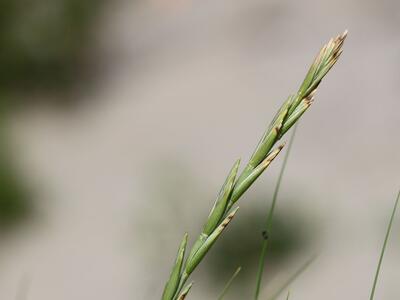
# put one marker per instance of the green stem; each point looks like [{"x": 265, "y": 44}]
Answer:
[
  {"x": 292, "y": 278},
  {"x": 229, "y": 283},
  {"x": 384, "y": 248},
  {"x": 268, "y": 221},
  {"x": 288, "y": 295}
]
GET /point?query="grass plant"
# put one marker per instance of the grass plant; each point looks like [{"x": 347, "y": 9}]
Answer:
[{"x": 236, "y": 185}]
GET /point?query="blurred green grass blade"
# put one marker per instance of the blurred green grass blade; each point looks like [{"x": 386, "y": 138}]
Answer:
[
  {"x": 288, "y": 295},
  {"x": 384, "y": 247},
  {"x": 229, "y": 283},
  {"x": 185, "y": 291},
  {"x": 268, "y": 222},
  {"x": 293, "y": 277},
  {"x": 174, "y": 279},
  {"x": 270, "y": 214}
]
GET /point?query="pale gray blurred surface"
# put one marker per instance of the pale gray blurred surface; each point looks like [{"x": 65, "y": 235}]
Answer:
[{"x": 197, "y": 82}]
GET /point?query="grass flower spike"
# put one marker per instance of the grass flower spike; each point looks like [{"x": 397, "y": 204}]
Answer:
[{"x": 235, "y": 186}]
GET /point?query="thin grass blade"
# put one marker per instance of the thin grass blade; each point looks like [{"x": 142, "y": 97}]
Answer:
[
  {"x": 229, "y": 283},
  {"x": 292, "y": 278},
  {"x": 288, "y": 295},
  {"x": 378, "y": 268},
  {"x": 270, "y": 214}
]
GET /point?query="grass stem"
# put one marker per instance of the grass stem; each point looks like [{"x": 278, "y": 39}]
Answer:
[
  {"x": 288, "y": 295},
  {"x": 229, "y": 283},
  {"x": 292, "y": 278},
  {"x": 378, "y": 268},
  {"x": 268, "y": 222}
]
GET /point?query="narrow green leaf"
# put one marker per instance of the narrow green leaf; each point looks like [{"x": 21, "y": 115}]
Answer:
[
  {"x": 242, "y": 186},
  {"x": 198, "y": 256},
  {"x": 173, "y": 282},
  {"x": 378, "y": 268},
  {"x": 269, "y": 216},
  {"x": 293, "y": 278},
  {"x": 229, "y": 283},
  {"x": 218, "y": 210},
  {"x": 288, "y": 295},
  {"x": 185, "y": 291}
]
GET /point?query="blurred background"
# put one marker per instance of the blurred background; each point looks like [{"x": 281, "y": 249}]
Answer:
[{"x": 120, "y": 119}]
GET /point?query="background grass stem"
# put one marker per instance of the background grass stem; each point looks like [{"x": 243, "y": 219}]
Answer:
[
  {"x": 268, "y": 222},
  {"x": 288, "y": 295},
  {"x": 378, "y": 268},
  {"x": 292, "y": 278},
  {"x": 229, "y": 283}
]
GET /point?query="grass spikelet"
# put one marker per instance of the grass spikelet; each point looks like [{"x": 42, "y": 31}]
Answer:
[{"x": 185, "y": 291}]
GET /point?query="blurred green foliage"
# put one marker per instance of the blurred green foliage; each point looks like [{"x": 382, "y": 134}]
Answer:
[
  {"x": 45, "y": 46},
  {"x": 15, "y": 201},
  {"x": 43, "y": 42}
]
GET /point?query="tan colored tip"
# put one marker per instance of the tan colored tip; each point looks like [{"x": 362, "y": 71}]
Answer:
[
  {"x": 266, "y": 162},
  {"x": 312, "y": 94},
  {"x": 340, "y": 39},
  {"x": 227, "y": 220}
]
